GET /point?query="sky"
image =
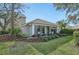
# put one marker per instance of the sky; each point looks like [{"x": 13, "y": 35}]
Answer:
[{"x": 44, "y": 11}]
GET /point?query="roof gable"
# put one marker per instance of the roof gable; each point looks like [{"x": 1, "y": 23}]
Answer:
[{"x": 40, "y": 21}]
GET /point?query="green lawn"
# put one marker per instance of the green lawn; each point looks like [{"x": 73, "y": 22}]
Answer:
[
  {"x": 17, "y": 48},
  {"x": 38, "y": 48},
  {"x": 46, "y": 48},
  {"x": 67, "y": 49}
]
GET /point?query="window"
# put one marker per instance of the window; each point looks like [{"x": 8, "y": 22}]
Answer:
[{"x": 38, "y": 28}]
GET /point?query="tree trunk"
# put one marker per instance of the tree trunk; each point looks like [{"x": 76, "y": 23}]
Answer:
[
  {"x": 12, "y": 18},
  {"x": 4, "y": 25}
]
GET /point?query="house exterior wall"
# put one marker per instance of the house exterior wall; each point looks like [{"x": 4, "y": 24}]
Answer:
[
  {"x": 27, "y": 30},
  {"x": 31, "y": 29}
]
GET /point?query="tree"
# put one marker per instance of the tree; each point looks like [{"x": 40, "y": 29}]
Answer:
[
  {"x": 73, "y": 19},
  {"x": 62, "y": 24},
  {"x": 4, "y": 16},
  {"x": 12, "y": 17},
  {"x": 72, "y": 10},
  {"x": 14, "y": 8},
  {"x": 10, "y": 13}
]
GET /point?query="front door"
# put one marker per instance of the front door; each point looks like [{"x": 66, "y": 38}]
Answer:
[{"x": 40, "y": 30}]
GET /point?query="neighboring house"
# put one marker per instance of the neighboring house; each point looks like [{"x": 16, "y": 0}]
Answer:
[
  {"x": 21, "y": 21},
  {"x": 39, "y": 27},
  {"x": 76, "y": 26}
]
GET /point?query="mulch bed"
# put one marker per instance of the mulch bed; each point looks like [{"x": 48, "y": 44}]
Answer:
[{"x": 8, "y": 37}]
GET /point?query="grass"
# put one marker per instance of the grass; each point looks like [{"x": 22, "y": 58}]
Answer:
[
  {"x": 52, "y": 45},
  {"x": 39, "y": 48},
  {"x": 17, "y": 48},
  {"x": 67, "y": 49}
]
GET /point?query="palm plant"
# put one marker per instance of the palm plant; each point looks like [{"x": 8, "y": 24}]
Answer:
[{"x": 62, "y": 24}]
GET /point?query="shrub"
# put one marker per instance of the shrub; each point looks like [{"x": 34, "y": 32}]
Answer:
[
  {"x": 15, "y": 32},
  {"x": 23, "y": 34},
  {"x": 76, "y": 37},
  {"x": 45, "y": 39},
  {"x": 3, "y": 32},
  {"x": 67, "y": 31},
  {"x": 50, "y": 38}
]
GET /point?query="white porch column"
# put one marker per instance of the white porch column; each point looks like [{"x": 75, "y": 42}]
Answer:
[
  {"x": 45, "y": 30},
  {"x": 33, "y": 29},
  {"x": 50, "y": 30}
]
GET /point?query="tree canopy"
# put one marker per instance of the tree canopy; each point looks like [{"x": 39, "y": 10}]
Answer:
[
  {"x": 72, "y": 10},
  {"x": 9, "y": 13}
]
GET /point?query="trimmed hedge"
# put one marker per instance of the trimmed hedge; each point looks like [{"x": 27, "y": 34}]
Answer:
[
  {"x": 4, "y": 32},
  {"x": 67, "y": 31}
]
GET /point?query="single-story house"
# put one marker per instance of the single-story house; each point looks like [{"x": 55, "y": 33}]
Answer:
[{"x": 39, "y": 27}]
